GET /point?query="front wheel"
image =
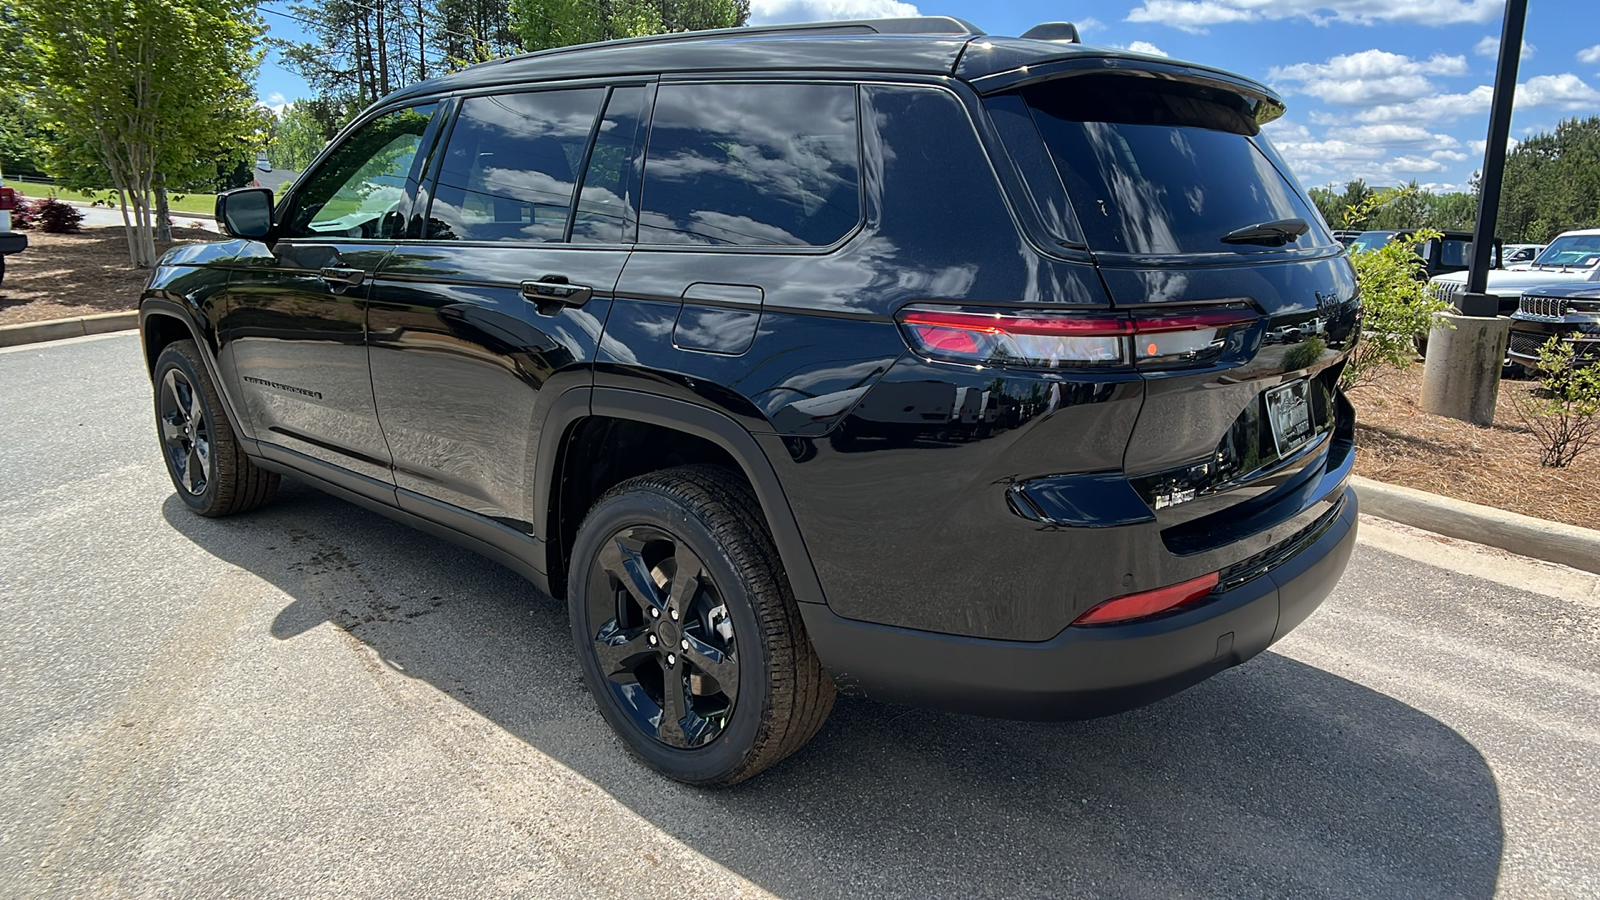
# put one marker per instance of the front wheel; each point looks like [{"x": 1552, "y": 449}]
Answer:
[
  {"x": 688, "y": 634},
  {"x": 209, "y": 469}
]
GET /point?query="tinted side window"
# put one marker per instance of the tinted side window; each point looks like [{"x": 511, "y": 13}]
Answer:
[
  {"x": 509, "y": 169},
  {"x": 751, "y": 165},
  {"x": 605, "y": 202},
  {"x": 358, "y": 189}
]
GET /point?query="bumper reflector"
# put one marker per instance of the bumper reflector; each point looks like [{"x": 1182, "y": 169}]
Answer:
[{"x": 1148, "y": 603}]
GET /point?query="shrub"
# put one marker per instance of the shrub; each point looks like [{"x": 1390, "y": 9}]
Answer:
[
  {"x": 1563, "y": 410},
  {"x": 22, "y": 218},
  {"x": 56, "y": 217},
  {"x": 1395, "y": 302}
]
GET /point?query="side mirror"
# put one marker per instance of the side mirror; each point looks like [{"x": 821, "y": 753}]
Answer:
[{"x": 245, "y": 213}]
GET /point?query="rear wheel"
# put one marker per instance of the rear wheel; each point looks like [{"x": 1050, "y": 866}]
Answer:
[
  {"x": 211, "y": 472},
  {"x": 686, "y": 629}
]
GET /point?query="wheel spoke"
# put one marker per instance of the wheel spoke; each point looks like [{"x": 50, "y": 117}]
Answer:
[
  {"x": 686, "y": 583},
  {"x": 719, "y": 665},
  {"x": 202, "y": 451},
  {"x": 195, "y": 411},
  {"x": 193, "y": 472},
  {"x": 171, "y": 430},
  {"x": 674, "y": 708},
  {"x": 621, "y": 651},
  {"x": 624, "y": 563}
]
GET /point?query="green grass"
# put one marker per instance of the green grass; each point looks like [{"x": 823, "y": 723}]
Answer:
[{"x": 182, "y": 204}]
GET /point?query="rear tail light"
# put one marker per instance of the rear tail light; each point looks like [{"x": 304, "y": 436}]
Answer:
[
  {"x": 1075, "y": 340},
  {"x": 1148, "y": 603}
]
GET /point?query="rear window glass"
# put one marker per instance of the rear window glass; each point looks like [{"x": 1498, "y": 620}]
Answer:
[
  {"x": 751, "y": 165},
  {"x": 1163, "y": 167}
]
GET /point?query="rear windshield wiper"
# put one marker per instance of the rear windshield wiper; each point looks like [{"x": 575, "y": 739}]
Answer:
[{"x": 1271, "y": 234}]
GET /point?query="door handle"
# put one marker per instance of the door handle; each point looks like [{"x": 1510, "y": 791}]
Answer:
[
  {"x": 339, "y": 277},
  {"x": 553, "y": 292}
]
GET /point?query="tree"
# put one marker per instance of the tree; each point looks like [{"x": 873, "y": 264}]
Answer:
[
  {"x": 157, "y": 91},
  {"x": 1552, "y": 183},
  {"x": 556, "y": 23},
  {"x": 296, "y": 139}
]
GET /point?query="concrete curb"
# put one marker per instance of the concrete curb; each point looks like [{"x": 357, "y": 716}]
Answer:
[
  {"x": 56, "y": 329},
  {"x": 1554, "y": 542}
]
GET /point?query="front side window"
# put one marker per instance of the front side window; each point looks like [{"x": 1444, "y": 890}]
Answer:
[
  {"x": 511, "y": 164},
  {"x": 751, "y": 165},
  {"x": 359, "y": 190}
]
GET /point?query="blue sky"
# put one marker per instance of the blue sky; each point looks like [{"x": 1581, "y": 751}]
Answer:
[{"x": 1386, "y": 90}]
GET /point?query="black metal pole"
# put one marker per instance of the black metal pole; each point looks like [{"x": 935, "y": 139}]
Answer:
[{"x": 1494, "y": 160}]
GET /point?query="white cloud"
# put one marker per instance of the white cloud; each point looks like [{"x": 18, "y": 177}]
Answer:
[
  {"x": 1196, "y": 15},
  {"x": 773, "y": 12},
  {"x": 1449, "y": 155},
  {"x": 1142, "y": 47},
  {"x": 1369, "y": 77},
  {"x": 276, "y": 98},
  {"x": 1477, "y": 147},
  {"x": 1489, "y": 45},
  {"x": 1590, "y": 55},
  {"x": 1566, "y": 91},
  {"x": 1410, "y": 137},
  {"x": 1088, "y": 24},
  {"x": 1413, "y": 165}
]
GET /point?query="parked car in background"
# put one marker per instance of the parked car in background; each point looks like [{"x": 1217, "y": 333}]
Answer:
[
  {"x": 1520, "y": 254},
  {"x": 1572, "y": 257},
  {"x": 1452, "y": 252},
  {"x": 1568, "y": 311},
  {"x": 1346, "y": 236},
  {"x": 10, "y": 241},
  {"x": 601, "y": 312}
]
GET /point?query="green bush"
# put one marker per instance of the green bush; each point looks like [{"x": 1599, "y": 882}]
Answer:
[
  {"x": 1563, "y": 411},
  {"x": 1395, "y": 302}
]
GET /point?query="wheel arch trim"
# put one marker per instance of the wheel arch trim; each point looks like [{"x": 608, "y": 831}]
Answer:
[
  {"x": 691, "y": 419},
  {"x": 156, "y": 307}
]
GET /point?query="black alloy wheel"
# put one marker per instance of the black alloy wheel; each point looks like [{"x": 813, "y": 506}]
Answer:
[
  {"x": 209, "y": 468},
  {"x": 688, "y": 634},
  {"x": 666, "y": 645},
  {"x": 185, "y": 432}
]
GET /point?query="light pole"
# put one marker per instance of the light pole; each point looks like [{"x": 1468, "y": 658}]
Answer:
[{"x": 1461, "y": 378}]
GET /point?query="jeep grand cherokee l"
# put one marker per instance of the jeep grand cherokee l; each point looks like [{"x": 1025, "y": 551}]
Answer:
[{"x": 888, "y": 358}]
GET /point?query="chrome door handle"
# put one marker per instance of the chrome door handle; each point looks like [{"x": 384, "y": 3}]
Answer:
[
  {"x": 552, "y": 292},
  {"x": 339, "y": 277}
]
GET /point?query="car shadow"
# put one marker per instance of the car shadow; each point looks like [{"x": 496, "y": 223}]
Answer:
[{"x": 1272, "y": 779}]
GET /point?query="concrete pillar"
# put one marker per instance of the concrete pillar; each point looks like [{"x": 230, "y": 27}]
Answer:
[{"x": 1461, "y": 378}]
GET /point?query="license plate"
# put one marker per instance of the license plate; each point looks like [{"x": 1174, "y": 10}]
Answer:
[{"x": 1289, "y": 415}]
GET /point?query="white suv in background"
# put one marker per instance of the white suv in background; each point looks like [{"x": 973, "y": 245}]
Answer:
[{"x": 1572, "y": 257}]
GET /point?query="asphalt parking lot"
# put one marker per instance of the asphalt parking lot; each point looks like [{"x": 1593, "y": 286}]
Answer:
[{"x": 313, "y": 701}]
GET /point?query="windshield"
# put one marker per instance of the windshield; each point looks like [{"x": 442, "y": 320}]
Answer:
[
  {"x": 1164, "y": 167},
  {"x": 1579, "y": 250},
  {"x": 1371, "y": 240}
]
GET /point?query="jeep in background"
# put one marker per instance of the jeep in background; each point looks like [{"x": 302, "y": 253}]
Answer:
[
  {"x": 1568, "y": 311},
  {"x": 1452, "y": 252},
  {"x": 881, "y": 357},
  {"x": 1574, "y": 256}
]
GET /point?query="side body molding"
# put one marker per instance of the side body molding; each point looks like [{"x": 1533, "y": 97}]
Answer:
[{"x": 703, "y": 423}]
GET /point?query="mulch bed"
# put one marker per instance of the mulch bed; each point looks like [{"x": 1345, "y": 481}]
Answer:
[
  {"x": 1496, "y": 466},
  {"x": 63, "y": 275}
]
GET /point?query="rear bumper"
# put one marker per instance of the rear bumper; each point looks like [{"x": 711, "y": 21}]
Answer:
[
  {"x": 1083, "y": 672},
  {"x": 12, "y": 242}
]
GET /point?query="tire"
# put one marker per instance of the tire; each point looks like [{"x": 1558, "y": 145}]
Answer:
[
  {"x": 209, "y": 469},
  {"x": 637, "y": 551}
]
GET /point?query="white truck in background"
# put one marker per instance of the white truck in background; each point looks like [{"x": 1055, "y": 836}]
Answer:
[{"x": 10, "y": 241}]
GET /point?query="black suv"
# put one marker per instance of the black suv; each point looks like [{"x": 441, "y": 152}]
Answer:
[{"x": 883, "y": 357}]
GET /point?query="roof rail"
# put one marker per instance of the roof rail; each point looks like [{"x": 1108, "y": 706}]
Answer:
[
  {"x": 1060, "y": 32},
  {"x": 910, "y": 25}
]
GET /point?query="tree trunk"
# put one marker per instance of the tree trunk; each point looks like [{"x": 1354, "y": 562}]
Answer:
[{"x": 163, "y": 212}]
